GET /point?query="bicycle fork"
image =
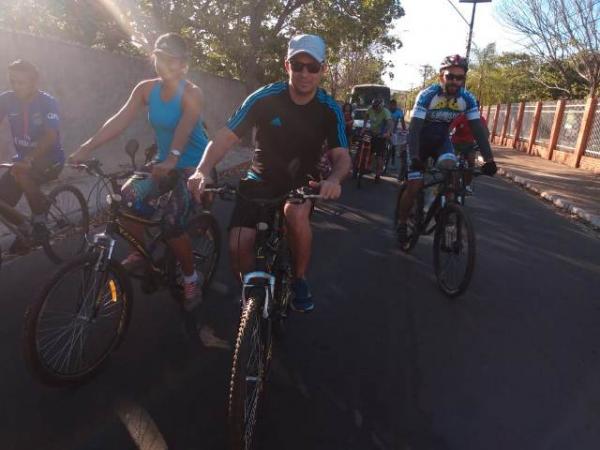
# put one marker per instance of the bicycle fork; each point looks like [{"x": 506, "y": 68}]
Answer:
[{"x": 262, "y": 281}]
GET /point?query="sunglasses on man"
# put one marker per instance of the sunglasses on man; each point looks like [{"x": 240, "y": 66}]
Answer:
[
  {"x": 312, "y": 67},
  {"x": 452, "y": 77}
]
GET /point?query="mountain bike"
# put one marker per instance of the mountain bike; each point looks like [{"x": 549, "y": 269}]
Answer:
[
  {"x": 82, "y": 312},
  {"x": 443, "y": 214},
  {"x": 266, "y": 296},
  {"x": 363, "y": 158},
  {"x": 67, "y": 216}
]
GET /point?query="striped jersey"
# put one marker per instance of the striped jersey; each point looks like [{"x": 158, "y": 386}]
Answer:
[{"x": 289, "y": 137}]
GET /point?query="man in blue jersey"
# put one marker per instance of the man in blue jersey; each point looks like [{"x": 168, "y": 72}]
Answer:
[
  {"x": 397, "y": 119},
  {"x": 34, "y": 123},
  {"x": 293, "y": 119},
  {"x": 435, "y": 108}
]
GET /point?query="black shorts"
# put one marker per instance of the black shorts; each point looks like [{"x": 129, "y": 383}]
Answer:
[
  {"x": 246, "y": 213},
  {"x": 378, "y": 145},
  {"x": 41, "y": 172}
]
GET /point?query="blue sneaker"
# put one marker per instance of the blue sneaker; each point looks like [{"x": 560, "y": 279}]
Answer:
[{"x": 302, "y": 301}]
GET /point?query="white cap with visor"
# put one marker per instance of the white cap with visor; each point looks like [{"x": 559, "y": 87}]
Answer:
[{"x": 307, "y": 43}]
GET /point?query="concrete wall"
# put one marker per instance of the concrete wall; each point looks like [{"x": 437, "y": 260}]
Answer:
[{"x": 90, "y": 85}]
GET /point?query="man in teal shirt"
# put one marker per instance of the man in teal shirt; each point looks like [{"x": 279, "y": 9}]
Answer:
[{"x": 380, "y": 120}]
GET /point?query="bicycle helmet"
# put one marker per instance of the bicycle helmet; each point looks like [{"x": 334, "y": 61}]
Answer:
[{"x": 454, "y": 61}]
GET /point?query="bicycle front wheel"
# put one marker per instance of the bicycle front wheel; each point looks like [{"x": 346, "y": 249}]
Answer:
[
  {"x": 77, "y": 321},
  {"x": 454, "y": 250},
  {"x": 248, "y": 373},
  {"x": 68, "y": 223}
]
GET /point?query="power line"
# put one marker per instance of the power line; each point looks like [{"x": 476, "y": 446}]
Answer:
[{"x": 459, "y": 13}]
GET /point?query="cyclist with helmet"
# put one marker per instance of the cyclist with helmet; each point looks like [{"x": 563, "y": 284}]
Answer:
[
  {"x": 435, "y": 108},
  {"x": 381, "y": 123},
  {"x": 174, "y": 107}
]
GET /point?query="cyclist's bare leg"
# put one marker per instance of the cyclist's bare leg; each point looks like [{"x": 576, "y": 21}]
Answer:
[
  {"x": 33, "y": 193},
  {"x": 471, "y": 161},
  {"x": 241, "y": 250},
  {"x": 408, "y": 198},
  {"x": 300, "y": 235},
  {"x": 181, "y": 247},
  {"x": 379, "y": 165}
]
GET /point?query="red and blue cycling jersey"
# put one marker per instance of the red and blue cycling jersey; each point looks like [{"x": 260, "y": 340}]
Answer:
[{"x": 29, "y": 121}]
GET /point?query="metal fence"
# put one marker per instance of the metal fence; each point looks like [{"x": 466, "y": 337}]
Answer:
[
  {"x": 593, "y": 145},
  {"x": 546, "y": 120},
  {"x": 501, "y": 117},
  {"x": 512, "y": 121},
  {"x": 571, "y": 124},
  {"x": 527, "y": 123},
  {"x": 490, "y": 119}
]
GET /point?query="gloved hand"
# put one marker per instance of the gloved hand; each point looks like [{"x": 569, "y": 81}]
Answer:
[
  {"x": 416, "y": 165},
  {"x": 489, "y": 168}
]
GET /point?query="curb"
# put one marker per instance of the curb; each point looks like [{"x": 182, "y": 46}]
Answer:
[{"x": 590, "y": 219}]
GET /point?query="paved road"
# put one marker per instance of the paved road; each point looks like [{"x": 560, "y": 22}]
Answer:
[{"x": 385, "y": 361}]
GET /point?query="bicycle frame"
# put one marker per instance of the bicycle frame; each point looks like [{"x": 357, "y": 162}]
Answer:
[
  {"x": 106, "y": 242},
  {"x": 261, "y": 278},
  {"x": 452, "y": 190}
]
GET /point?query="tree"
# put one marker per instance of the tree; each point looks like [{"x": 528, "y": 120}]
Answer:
[
  {"x": 243, "y": 39},
  {"x": 89, "y": 22},
  {"x": 564, "y": 34},
  {"x": 513, "y": 76}
]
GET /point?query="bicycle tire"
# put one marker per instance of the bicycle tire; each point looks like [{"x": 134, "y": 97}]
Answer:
[
  {"x": 49, "y": 245},
  {"x": 415, "y": 216},
  {"x": 463, "y": 221},
  {"x": 35, "y": 362},
  {"x": 202, "y": 225},
  {"x": 283, "y": 293},
  {"x": 242, "y": 428}
]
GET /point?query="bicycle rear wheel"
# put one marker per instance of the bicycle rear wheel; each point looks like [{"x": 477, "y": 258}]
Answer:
[
  {"x": 454, "y": 250},
  {"x": 414, "y": 219},
  {"x": 206, "y": 249},
  {"x": 68, "y": 217},
  {"x": 77, "y": 321},
  {"x": 248, "y": 372}
]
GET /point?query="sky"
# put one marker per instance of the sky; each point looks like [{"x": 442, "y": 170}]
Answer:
[{"x": 432, "y": 29}]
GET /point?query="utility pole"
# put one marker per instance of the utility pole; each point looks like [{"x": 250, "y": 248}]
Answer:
[
  {"x": 472, "y": 23},
  {"x": 471, "y": 30}
]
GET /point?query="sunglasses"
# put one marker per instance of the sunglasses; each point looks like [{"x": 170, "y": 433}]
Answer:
[
  {"x": 451, "y": 77},
  {"x": 312, "y": 67}
]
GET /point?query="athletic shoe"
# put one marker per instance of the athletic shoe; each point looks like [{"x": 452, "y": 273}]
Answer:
[{"x": 302, "y": 300}]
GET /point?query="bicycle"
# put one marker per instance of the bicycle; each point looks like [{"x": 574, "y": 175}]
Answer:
[
  {"x": 266, "y": 296},
  {"x": 98, "y": 295},
  {"x": 453, "y": 230},
  {"x": 67, "y": 216},
  {"x": 363, "y": 158}
]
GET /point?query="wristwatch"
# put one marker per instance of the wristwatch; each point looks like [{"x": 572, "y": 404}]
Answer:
[{"x": 175, "y": 152}]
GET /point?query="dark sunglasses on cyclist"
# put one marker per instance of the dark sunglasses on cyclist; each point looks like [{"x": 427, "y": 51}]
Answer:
[
  {"x": 312, "y": 67},
  {"x": 451, "y": 77}
]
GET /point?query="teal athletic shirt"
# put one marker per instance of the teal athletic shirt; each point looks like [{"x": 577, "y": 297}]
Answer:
[{"x": 164, "y": 118}]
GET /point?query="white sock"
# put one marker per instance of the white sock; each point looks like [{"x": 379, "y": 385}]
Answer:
[{"x": 191, "y": 278}]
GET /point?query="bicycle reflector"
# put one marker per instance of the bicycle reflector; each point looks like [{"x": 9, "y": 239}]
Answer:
[{"x": 113, "y": 291}]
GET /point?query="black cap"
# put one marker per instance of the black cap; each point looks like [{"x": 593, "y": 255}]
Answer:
[{"x": 171, "y": 44}]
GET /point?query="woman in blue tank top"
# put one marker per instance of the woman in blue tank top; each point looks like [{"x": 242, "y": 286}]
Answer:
[{"x": 174, "y": 107}]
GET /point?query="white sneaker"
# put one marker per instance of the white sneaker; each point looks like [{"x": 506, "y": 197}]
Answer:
[{"x": 192, "y": 292}]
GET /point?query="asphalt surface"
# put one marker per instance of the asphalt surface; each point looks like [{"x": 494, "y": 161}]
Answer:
[{"x": 386, "y": 361}]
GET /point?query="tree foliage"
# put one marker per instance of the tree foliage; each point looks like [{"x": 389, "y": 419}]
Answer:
[
  {"x": 564, "y": 34},
  {"x": 242, "y": 39}
]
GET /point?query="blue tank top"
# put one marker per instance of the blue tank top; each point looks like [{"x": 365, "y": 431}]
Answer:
[{"x": 164, "y": 118}]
